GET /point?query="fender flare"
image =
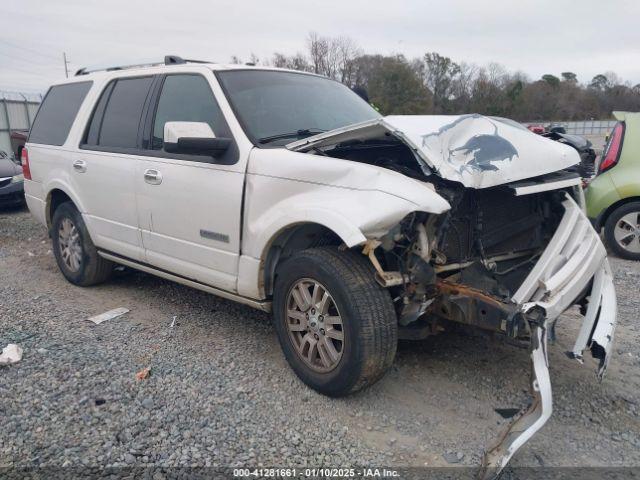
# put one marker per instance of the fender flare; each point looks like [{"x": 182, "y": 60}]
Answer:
[
  {"x": 67, "y": 190},
  {"x": 349, "y": 233}
]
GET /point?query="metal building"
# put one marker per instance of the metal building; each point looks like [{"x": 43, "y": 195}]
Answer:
[{"x": 17, "y": 111}]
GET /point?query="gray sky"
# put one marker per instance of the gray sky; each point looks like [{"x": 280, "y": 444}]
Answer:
[{"x": 548, "y": 36}]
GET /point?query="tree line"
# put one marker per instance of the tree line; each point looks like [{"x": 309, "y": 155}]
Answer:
[{"x": 435, "y": 84}]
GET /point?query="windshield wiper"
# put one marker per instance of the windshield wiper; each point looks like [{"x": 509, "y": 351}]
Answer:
[{"x": 305, "y": 132}]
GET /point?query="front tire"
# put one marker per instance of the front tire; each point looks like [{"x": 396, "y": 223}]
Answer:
[
  {"x": 75, "y": 253},
  {"x": 622, "y": 231},
  {"x": 336, "y": 325}
]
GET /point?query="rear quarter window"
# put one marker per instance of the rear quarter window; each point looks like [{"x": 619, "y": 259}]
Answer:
[{"x": 57, "y": 113}]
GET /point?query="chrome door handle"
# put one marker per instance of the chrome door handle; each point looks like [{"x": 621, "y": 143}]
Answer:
[
  {"x": 80, "y": 166},
  {"x": 152, "y": 177}
]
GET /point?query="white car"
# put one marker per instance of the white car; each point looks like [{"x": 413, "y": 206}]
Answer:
[{"x": 287, "y": 192}]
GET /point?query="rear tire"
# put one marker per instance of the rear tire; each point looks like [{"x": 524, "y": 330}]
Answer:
[
  {"x": 75, "y": 253},
  {"x": 367, "y": 321},
  {"x": 622, "y": 231}
]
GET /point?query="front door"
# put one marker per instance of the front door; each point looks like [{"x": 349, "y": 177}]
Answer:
[{"x": 189, "y": 206}]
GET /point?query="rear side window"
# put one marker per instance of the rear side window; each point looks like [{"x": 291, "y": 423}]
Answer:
[
  {"x": 57, "y": 113},
  {"x": 117, "y": 116}
]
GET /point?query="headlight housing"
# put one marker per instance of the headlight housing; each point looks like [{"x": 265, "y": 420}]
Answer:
[{"x": 17, "y": 178}]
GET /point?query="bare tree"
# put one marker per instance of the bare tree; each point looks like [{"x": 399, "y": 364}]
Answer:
[
  {"x": 333, "y": 57},
  {"x": 318, "y": 51},
  {"x": 293, "y": 62},
  {"x": 462, "y": 87},
  {"x": 348, "y": 53},
  {"x": 254, "y": 59}
]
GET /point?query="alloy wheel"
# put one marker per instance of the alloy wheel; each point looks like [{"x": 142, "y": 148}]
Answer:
[
  {"x": 627, "y": 232},
  {"x": 69, "y": 245},
  {"x": 315, "y": 325}
]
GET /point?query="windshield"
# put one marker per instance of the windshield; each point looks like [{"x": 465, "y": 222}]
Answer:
[{"x": 280, "y": 107}]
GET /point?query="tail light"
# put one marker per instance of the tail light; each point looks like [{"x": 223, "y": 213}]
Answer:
[
  {"x": 612, "y": 150},
  {"x": 24, "y": 158}
]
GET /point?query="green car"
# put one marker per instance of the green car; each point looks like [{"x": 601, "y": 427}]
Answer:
[{"x": 613, "y": 196}]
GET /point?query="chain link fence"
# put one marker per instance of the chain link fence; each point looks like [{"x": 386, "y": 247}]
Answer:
[
  {"x": 588, "y": 127},
  {"x": 595, "y": 131},
  {"x": 17, "y": 111}
]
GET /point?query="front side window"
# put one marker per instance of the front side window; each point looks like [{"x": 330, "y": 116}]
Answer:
[
  {"x": 187, "y": 98},
  {"x": 57, "y": 113},
  {"x": 276, "y": 108}
]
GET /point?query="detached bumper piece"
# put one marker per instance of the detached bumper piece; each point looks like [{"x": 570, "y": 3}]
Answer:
[
  {"x": 574, "y": 261},
  {"x": 601, "y": 312},
  {"x": 528, "y": 421}
]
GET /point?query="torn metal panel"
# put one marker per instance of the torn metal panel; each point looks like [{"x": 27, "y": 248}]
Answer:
[
  {"x": 575, "y": 257},
  {"x": 601, "y": 311},
  {"x": 474, "y": 150},
  {"x": 532, "y": 419}
]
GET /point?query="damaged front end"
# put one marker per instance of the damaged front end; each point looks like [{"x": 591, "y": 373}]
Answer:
[
  {"x": 512, "y": 253},
  {"x": 509, "y": 264}
]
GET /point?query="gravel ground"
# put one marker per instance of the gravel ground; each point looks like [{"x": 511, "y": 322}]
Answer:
[{"x": 221, "y": 394}]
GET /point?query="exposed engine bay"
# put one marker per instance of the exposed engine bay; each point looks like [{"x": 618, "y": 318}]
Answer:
[{"x": 464, "y": 265}]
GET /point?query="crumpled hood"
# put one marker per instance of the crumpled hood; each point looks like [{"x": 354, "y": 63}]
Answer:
[{"x": 474, "y": 150}]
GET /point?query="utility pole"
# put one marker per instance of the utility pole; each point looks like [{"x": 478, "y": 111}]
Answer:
[{"x": 66, "y": 62}]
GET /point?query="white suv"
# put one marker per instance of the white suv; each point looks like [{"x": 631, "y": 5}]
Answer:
[{"x": 287, "y": 192}]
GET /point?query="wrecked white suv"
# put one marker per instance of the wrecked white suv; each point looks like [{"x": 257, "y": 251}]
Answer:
[{"x": 287, "y": 192}]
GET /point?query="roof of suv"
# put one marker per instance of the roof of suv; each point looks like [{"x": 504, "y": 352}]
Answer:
[{"x": 166, "y": 66}]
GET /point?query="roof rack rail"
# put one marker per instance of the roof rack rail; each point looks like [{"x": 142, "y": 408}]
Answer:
[
  {"x": 176, "y": 60},
  {"x": 168, "y": 60}
]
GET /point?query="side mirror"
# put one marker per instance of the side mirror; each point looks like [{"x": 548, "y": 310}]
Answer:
[{"x": 194, "y": 138}]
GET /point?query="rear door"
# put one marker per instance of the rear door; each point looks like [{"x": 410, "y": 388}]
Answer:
[
  {"x": 189, "y": 206},
  {"x": 106, "y": 164}
]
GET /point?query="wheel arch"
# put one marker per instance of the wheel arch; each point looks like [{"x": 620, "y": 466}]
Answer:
[
  {"x": 56, "y": 196},
  {"x": 288, "y": 240},
  {"x": 602, "y": 219}
]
